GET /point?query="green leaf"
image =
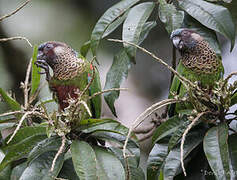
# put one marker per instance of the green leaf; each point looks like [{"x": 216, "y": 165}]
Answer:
[
  {"x": 20, "y": 149},
  {"x": 155, "y": 160},
  {"x": 213, "y": 16},
  {"x": 18, "y": 170},
  {"x": 115, "y": 24},
  {"x": 89, "y": 123},
  {"x": 110, "y": 16},
  {"x": 233, "y": 99},
  {"x": 35, "y": 76},
  {"x": 12, "y": 103},
  {"x": 146, "y": 29},
  {"x": 108, "y": 165},
  {"x": 208, "y": 34},
  {"x": 133, "y": 25},
  {"x": 166, "y": 128},
  {"x": 68, "y": 171},
  {"x": 5, "y": 173},
  {"x": 113, "y": 126},
  {"x": 233, "y": 153},
  {"x": 113, "y": 136},
  {"x": 170, "y": 16},
  {"x": 172, "y": 162},
  {"x": 85, "y": 48},
  {"x": 49, "y": 144},
  {"x": 135, "y": 172},
  {"x": 117, "y": 73},
  {"x": 24, "y": 133},
  {"x": 96, "y": 101},
  {"x": 216, "y": 150},
  {"x": 178, "y": 134},
  {"x": 39, "y": 168},
  {"x": 84, "y": 160}
]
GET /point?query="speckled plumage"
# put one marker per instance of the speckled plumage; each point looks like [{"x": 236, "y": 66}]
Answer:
[
  {"x": 198, "y": 62},
  {"x": 71, "y": 74}
]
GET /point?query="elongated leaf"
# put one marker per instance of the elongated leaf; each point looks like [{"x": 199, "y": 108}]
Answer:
[
  {"x": 178, "y": 134},
  {"x": 213, "y": 16},
  {"x": 233, "y": 99},
  {"x": 49, "y": 144},
  {"x": 18, "y": 170},
  {"x": 108, "y": 165},
  {"x": 233, "y": 153},
  {"x": 135, "y": 172},
  {"x": 170, "y": 16},
  {"x": 146, "y": 29},
  {"x": 85, "y": 48},
  {"x": 35, "y": 76},
  {"x": 84, "y": 160},
  {"x": 133, "y": 25},
  {"x": 172, "y": 162},
  {"x": 96, "y": 101},
  {"x": 156, "y": 160},
  {"x": 24, "y": 133},
  {"x": 111, "y": 15},
  {"x": 216, "y": 150},
  {"x": 68, "y": 171},
  {"x": 114, "y": 126},
  {"x": 39, "y": 169},
  {"x": 114, "y": 136},
  {"x": 20, "y": 149},
  {"x": 117, "y": 73},
  {"x": 208, "y": 34},
  {"x": 12, "y": 103},
  {"x": 166, "y": 128}
]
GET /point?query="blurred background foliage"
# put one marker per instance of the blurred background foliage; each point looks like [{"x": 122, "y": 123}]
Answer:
[{"x": 72, "y": 21}]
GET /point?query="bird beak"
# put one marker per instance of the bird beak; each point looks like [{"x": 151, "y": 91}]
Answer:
[
  {"x": 40, "y": 59},
  {"x": 176, "y": 41}
]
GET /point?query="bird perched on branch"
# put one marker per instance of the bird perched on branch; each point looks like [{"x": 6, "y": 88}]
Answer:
[
  {"x": 71, "y": 75},
  {"x": 198, "y": 62}
]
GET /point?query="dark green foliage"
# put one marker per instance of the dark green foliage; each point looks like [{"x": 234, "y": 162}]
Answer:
[{"x": 81, "y": 153}]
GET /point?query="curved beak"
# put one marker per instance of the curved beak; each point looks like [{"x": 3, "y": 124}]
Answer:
[
  {"x": 176, "y": 41},
  {"x": 41, "y": 59}
]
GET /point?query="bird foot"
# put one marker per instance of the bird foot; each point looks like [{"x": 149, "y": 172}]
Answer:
[{"x": 42, "y": 64}]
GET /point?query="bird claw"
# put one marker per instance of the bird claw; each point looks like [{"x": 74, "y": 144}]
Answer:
[{"x": 42, "y": 64}]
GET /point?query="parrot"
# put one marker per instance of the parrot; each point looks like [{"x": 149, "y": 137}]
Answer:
[
  {"x": 71, "y": 74},
  {"x": 198, "y": 63}
]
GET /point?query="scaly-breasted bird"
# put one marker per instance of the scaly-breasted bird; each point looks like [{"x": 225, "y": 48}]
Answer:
[
  {"x": 71, "y": 74},
  {"x": 198, "y": 62}
]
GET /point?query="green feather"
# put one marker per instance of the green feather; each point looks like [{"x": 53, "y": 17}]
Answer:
[{"x": 206, "y": 81}]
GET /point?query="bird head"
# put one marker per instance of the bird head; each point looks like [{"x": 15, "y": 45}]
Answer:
[
  {"x": 53, "y": 52},
  {"x": 185, "y": 39}
]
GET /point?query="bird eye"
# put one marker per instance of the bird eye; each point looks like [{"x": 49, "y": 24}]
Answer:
[{"x": 48, "y": 46}]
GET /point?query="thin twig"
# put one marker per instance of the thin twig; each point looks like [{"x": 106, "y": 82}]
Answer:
[
  {"x": 15, "y": 11},
  {"x": 183, "y": 80},
  {"x": 183, "y": 139},
  {"x": 60, "y": 151},
  {"x": 107, "y": 90},
  {"x": 16, "y": 38},
  {"x": 25, "y": 87},
  {"x": 86, "y": 107},
  {"x": 18, "y": 126},
  {"x": 228, "y": 78},
  {"x": 11, "y": 113},
  {"x": 140, "y": 119}
]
